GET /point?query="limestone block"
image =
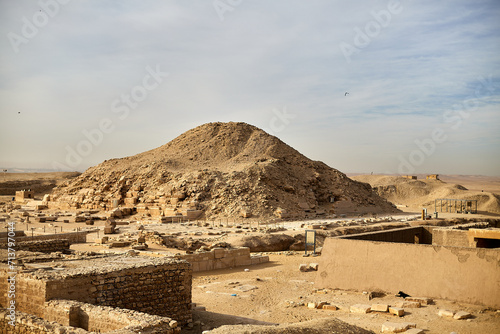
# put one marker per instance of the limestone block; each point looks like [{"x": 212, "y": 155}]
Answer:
[
  {"x": 193, "y": 214},
  {"x": 155, "y": 211},
  {"x": 130, "y": 200},
  {"x": 303, "y": 267},
  {"x": 462, "y": 315},
  {"x": 311, "y": 305},
  {"x": 446, "y": 313},
  {"x": 330, "y": 307},
  {"x": 360, "y": 308},
  {"x": 314, "y": 266},
  {"x": 380, "y": 307},
  {"x": 246, "y": 213},
  {"x": 421, "y": 300},
  {"x": 219, "y": 252},
  {"x": 109, "y": 230},
  {"x": 396, "y": 311},
  {"x": 407, "y": 304}
]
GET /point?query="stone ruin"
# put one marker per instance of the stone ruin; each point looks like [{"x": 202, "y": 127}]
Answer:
[{"x": 100, "y": 296}]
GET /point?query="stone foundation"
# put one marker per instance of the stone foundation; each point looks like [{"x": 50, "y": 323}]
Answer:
[
  {"x": 158, "y": 287},
  {"x": 44, "y": 246},
  {"x": 70, "y": 317},
  {"x": 72, "y": 237},
  {"x": 221, "y": 258}
]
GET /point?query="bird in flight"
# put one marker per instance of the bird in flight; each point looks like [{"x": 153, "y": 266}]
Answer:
[{"x": 346, "y": 93}]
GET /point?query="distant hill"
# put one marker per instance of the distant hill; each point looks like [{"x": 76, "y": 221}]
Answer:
[
  {"x": 40, "y": 183},
  {"x": 422, "y": 193}
]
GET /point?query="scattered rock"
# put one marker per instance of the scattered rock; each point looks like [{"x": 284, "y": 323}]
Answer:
[
  {"x": 446, "y": 313},
  {"x": 360, "y": 308},
  {"x": 462, "y": 315},
  {"x": 394, "y": 327}
]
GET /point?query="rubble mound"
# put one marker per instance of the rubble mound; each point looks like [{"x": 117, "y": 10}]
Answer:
[
  {"x": 422, "y": 193},
  {"x": 222, "y": 170},
  {"x": 316, "y": 326}
]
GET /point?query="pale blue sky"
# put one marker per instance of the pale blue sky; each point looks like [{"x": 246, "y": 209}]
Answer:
[{"x": 429, "y": 67}]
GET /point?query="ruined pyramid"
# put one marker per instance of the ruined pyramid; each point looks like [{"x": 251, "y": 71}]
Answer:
[{"x": 221, "y": 170}]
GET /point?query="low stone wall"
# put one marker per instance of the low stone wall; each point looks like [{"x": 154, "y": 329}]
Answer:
[
  {"x": 158, "y": 287},
  {"x": 62, "y": 316},
  {"x": 221, "y": 258},
  {"x": 30, "y": 324},
  {"x": 72, "y": 237},
  {"x": 106, "y": 319},
  {"x": 5, "y": 235},
  {"x": 44, "y": 246}
]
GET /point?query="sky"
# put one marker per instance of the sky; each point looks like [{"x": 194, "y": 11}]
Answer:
[{"x": 391, "y": 87}]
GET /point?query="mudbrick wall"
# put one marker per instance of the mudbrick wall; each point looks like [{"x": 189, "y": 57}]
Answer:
[
  {"x": 469, "y": 275},
  {"x": 44, "y": 246},
  {"x": 158, "y": 287}
]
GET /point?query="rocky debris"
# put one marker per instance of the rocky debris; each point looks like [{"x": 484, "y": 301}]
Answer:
[
  {"x": 308, "y": 267},
  {"x": 266, "y": 243},
  {"x": 219, "y": 170},
  {"x": 326, "y": 325},
  {"x": 395, "y": 327}
]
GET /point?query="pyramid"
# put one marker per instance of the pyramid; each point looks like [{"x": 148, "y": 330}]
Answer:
[{"x": 221, "y": 170}]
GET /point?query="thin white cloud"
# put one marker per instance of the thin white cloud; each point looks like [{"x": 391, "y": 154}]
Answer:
[{"x": 428, "y": 58}]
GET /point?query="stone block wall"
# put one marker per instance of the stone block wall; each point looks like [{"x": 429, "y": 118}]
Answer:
[
  {"x": 72, "y": 237},
  {"x": 158, "y": 287},
  {"x": 44, "y": 246},
  {"x": 5, "y": 235},
  {"x": 221, "y": 258},
  {"x": 30, "y": 293},
  {"x": 89, "y": 319},
  {"x": 105, "y": 319},
  {"x": 30, "y": 324}
]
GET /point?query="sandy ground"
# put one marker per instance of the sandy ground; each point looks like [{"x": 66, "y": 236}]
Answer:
[
  {"x": 271, "y": 293},
  {"x": 277, "y": 292}
]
